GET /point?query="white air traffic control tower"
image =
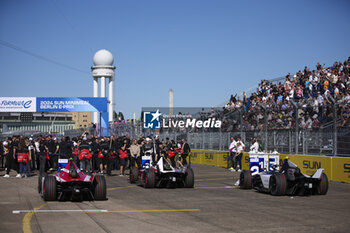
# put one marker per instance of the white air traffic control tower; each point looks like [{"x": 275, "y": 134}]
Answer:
[{"x": 103, "y": 68}]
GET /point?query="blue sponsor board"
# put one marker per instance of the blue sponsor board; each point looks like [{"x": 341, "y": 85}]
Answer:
[{"x": 71, "y": 104}]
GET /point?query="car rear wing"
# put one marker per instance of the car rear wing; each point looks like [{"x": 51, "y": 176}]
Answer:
[{"x": 318, "y": 174}]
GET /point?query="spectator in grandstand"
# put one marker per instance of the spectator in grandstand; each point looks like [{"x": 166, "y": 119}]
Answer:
[
  {"x": 345, "y": 116},
  {"x": 301, "y": 88}
]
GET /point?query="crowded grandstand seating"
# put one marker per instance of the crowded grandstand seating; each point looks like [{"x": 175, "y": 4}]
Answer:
[{"x": 313, "y": 92}]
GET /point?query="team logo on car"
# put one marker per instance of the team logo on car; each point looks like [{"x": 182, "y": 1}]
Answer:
[{"x": 151, "y": 120}]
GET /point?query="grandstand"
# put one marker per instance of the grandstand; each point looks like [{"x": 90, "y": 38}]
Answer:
[{"x": 312, "y": 104}]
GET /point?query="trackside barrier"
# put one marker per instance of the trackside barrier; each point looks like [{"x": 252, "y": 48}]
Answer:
[
  {"x": 216, "y": 158},
  {"x": 210, "y": 157},
  {"x": 336, "y": 168}
]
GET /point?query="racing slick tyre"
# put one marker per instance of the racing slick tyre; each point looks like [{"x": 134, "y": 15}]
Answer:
[
  {"x": 189, "y": 178},
  {"x": 40, "y": 182},
  {"x": 322, "y": 186},
  {"x": 100, "y": 191},
  {"x": 245, "y": 180},
  {"x": 50, "y": 188},
  {"x": 278, "y": 184},
  {"x": 150, "y": 178},
  {"x": 134, "y": 174}
]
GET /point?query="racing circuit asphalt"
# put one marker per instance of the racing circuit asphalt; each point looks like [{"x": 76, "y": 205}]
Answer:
[{"x": 214, "y": 205}]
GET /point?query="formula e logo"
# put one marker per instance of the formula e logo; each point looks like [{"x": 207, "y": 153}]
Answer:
[
  {"x": 151, "y": 120},
  {"x": 27, "y": 104}
]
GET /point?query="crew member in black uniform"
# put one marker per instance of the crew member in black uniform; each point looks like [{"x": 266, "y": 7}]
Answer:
[
  {"x": 8, "y": 153},
  {"x": 84, "y": 155},
  {"x": 186, "y": 151},
  {"x": 105, "y": 152},
  {"x": 52, "y": 145},
  {"x": 95, "y": 149},
  {"x": 171, "y": 153},
  {"x": 42, "y": 152}
]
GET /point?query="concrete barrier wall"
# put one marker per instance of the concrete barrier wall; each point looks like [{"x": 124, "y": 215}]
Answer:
[{"x": 336, "y": 168}]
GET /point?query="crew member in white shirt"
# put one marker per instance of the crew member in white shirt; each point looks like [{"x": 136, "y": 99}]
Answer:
[
  {"x": 255, "y": 146},
  {"x": 233, "y": 150}
]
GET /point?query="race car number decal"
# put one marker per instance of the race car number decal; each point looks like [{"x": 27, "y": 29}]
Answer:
[{"x": 261, "y": 162}]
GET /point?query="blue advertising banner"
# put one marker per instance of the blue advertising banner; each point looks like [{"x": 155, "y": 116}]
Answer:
[
  {"x": 104, "y": 123},
  {"x": 71, "y": 104}
]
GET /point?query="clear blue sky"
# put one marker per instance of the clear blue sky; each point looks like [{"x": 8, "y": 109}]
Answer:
[{"x": 203, "y": 50}]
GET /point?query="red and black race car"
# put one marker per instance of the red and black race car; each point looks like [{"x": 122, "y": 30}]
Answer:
[{"x": 70, "y": 183}]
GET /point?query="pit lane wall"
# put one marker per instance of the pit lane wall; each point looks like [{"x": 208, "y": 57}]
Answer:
[{"x": 336, "y": 168}]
